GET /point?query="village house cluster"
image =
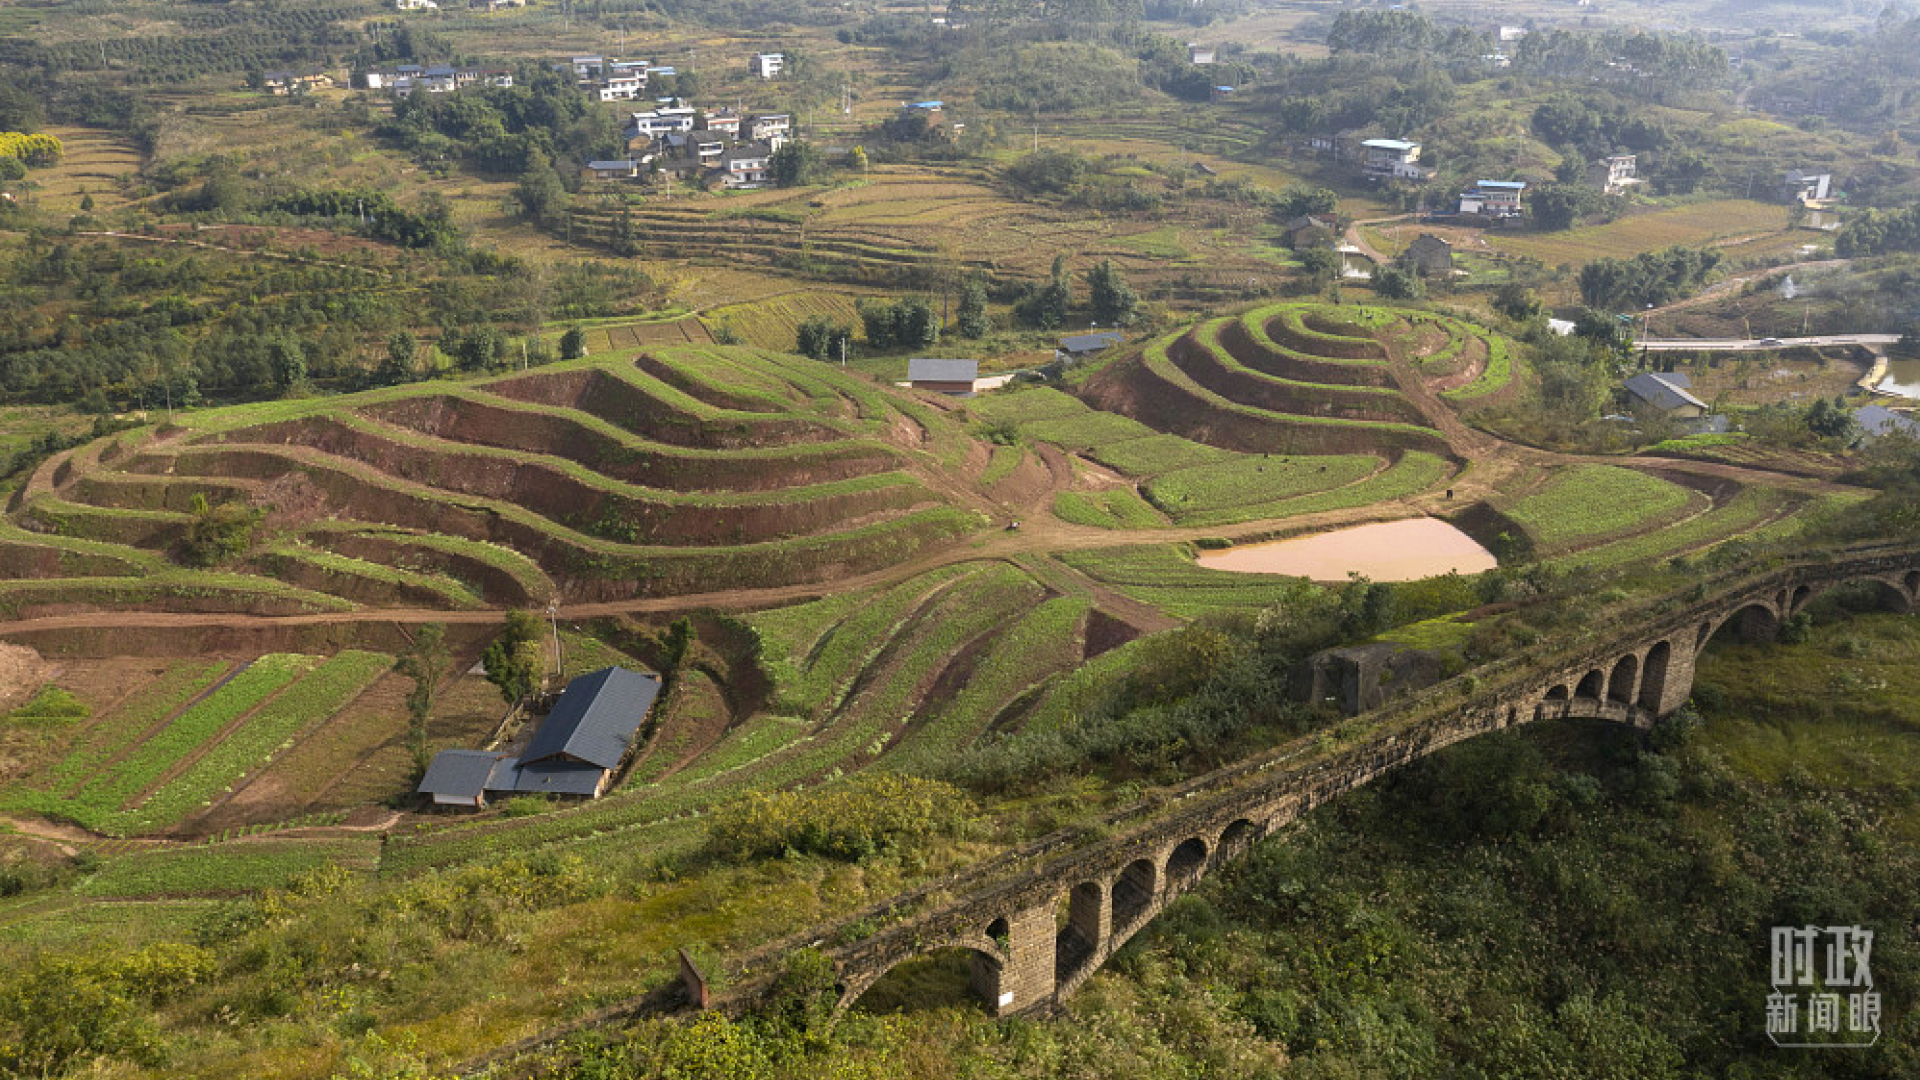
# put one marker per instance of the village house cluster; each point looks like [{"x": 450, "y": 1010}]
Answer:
[{"x": 676, "y": 141}]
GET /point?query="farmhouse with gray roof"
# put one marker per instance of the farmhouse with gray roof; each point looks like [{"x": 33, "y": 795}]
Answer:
[{"x": 577, "y": 749}]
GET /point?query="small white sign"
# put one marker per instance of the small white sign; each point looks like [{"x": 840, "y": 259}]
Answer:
[{"x": 1006, "y": 999}]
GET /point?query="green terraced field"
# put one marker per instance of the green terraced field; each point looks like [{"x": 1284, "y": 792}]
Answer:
[
  {"x": 1591, "y": 501},
  {"x": 1200, "y": 490}
]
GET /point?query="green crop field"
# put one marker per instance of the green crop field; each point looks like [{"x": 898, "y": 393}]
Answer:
[
  {"x": 1201, "y": 491},
  {"x": 1116, "y": 508},
  {"x": 1590, "y": 501}
]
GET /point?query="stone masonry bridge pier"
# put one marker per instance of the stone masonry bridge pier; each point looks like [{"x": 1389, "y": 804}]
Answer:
[{"x": 1113, "y": 879}]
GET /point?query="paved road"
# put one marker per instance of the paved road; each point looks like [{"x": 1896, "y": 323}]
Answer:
[{"x": 1758, "y": 344}]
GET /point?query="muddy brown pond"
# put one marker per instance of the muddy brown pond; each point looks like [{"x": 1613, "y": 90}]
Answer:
[{"x": 1385, "y": 551}]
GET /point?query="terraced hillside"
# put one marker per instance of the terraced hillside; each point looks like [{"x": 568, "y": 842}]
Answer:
[
  {"x": 1310, "y": 378},
  {"x": 676, "y": 470},
  {"x": 1288, "y": 409}
]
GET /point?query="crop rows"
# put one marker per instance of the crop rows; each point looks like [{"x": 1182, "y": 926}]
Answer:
[
  {"x": 1590, "y": 501},
  {"x": 99, "y": 801},
  {"x": 322, "y": 693},
  {"x": 1415, "y": 472},
  {"x": 1203, "y": 491},
  {"x": 226, "y": 870},
  {"x": 112, "y": 732},
  {"x": 1739, "y": 517},
  {"x": 1165, "y": 576},
  {"x": 1115, "y": 508},
  {"x": 1038, "y": 646}
]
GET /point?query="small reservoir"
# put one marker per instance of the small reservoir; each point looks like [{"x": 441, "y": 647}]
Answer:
[
  {"x": 1384, "y": 551},
  {"x": 1903, "y": 378}
]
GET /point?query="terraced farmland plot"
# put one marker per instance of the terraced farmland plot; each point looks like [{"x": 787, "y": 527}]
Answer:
[
  {"x": 102, "y": 800},
  {"x": 1225, "y": 385},
  {"x": 1592, "y": 502},
  {"x": 1115, "y": 508},
  {"x": 773, "y": 322},
  {"x": 1165, "y": 576},
  {"x": 1205, "y": 491},
  {"x": 225, "y": 869},
  {"x": 1697, "y": 225},
  {"x": 166, "y": 771}
]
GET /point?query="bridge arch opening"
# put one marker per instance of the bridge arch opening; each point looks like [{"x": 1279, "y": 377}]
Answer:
[
  {"x": 1620, "y": 685},
  {"x": 1800, "y": 596},
  {"x": 1913, "y": 584},
  {"x": 997, "y": 929},
  {"x": 1081, "y": 935},
  {"x": 954, "y": 976},
  {"x": 1133, "y": 894},
  {"x": 1653, "y": 676},
  {"x": 1186, "y": 861},
  {"x": 1890, "y": 596},
  {"x": 1592, "y": 685},
  {"x": 1752, "y": 623},
  {"x": 1234, "y": 841},
  {"x": 1558, "y": 693}
]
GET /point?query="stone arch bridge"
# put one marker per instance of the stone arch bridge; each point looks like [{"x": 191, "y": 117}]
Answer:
[{"x": 1113, "y": 881}]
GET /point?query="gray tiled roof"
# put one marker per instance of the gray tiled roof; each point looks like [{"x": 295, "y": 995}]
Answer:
[
  {"x": 923, "y": 370},
  {"x": 1663, "y": 390},
  {"x": 460, "y": 773},
  {"x": 595, "y": 718},
  {"x": 1079, "y": 343}
]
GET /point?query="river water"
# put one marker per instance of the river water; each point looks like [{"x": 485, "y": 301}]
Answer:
[
  {"x": 1903, "y": 378},
  {"x": 1385, "y": 551}
]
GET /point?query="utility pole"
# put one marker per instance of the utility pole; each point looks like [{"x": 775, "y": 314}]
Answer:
[{"x": 553, "y": 615}]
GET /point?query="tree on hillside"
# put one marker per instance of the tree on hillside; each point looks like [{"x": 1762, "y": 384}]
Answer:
[
  {"x": 823, "y": 339},
  {"x": 513, "y": 661},
  {"x": 1047, "y": 307},
  {"x": 425, "y": 662},
  {"x": 398, "y": 365},
  {"x": 1399, "y": 283},
  {"x": 217, "y": 533},
  {"x": 1558, "y": 206},
  {"x": 573, "y": 343},
  {"x": 1299, "y": 200},
  {"x": 795, "y": 164},
  {"x": 1113, "y": 301},
  {"x": 908, "y": 323},
  {"x": 540, "y": 193},
  {"x": 1518, "y": 303},
  {"x": 1322, "y": 265},
  {"x": 288, "y": 362},
  {"x": 971, "y": 320}
]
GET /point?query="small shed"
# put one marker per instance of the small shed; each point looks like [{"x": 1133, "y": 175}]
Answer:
[
  {"x": 1075, "y": 346},
  {"x": 943, "y": 376},
  {"x": 1310, "y": 230},
  {"x": 463, "y": 777}
]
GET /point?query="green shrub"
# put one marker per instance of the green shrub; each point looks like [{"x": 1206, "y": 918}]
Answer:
[
  {"x": 867, "y": 815},
  {"x": 51, "y": 705}
]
